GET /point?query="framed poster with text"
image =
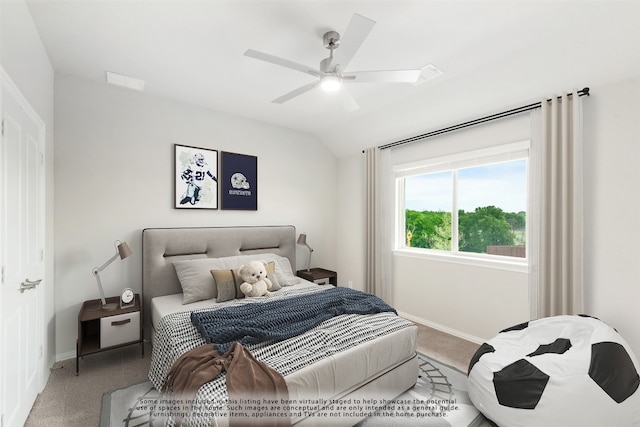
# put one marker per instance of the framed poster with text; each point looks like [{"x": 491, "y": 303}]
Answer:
[
  {"x": 196, "y": 178},
  {"x": 239, "y": 180}
]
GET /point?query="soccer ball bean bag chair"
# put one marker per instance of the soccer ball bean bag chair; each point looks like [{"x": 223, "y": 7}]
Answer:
[{"x": 556, "y": 371}]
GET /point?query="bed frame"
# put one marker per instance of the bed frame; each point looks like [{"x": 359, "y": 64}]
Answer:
[{"x": 162, "y": 246}]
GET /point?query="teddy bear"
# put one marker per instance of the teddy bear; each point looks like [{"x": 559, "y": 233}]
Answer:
[{"x": 254, "y": 274}]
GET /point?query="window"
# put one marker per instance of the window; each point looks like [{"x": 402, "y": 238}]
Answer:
[{"x": 472, "y": 204}]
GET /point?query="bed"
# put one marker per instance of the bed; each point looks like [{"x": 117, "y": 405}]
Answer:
[{"x": 351, "y": 358}]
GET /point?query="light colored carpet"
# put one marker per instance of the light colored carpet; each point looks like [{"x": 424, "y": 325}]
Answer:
[
  {"x": 70, "y": 400},
  {"x": 74, "y": 401}
]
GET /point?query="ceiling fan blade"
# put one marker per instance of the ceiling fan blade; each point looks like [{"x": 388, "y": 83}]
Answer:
[
  {"x": 348, "y": 102},
  {"x": 390, "y": 76},
  {"x": 282, "y": 62},
  {"x": 358, "y": 29},
  {"x": 296, "y": 92}
]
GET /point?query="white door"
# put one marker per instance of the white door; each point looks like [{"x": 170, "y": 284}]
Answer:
[{"x": 21, "y": 255}]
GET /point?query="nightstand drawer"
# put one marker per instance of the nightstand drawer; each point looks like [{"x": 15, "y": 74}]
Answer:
[{"x": 119, "y": 329}]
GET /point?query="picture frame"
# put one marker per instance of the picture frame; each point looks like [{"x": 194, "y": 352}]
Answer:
[
  {"x": 239, "y": 181},
  {"x": 196, "y": 177}
]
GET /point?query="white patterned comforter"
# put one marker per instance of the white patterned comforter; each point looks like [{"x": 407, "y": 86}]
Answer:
[{"x": 175, "y": 335}]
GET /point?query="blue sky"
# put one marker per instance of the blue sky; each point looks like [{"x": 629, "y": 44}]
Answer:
[{"x": 500, "y": 184}]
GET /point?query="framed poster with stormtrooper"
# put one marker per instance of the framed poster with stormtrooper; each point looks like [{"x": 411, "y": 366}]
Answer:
[
  {"x": 239, "y": 181},
  {"x": 196, "y": 178}
]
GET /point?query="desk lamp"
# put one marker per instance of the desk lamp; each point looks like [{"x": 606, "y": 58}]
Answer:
[
  {"x": 122, "y": 251},
  {"x": 302, "y": 240}
]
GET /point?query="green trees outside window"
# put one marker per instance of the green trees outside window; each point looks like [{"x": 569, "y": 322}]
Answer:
[{"x": 485, "y": 227}]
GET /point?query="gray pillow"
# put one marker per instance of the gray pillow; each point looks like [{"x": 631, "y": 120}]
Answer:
[{"x": 196, "y": 280}]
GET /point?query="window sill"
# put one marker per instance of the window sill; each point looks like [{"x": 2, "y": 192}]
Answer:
[{"x": 519, "y": 265}]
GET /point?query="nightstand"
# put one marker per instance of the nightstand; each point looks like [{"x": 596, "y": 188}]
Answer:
[
  {"x": 320, "y": 276},
  {"x": 101, "y": 330}
]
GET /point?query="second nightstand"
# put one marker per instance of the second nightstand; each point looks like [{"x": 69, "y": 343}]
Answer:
[{"x": 320, "y": 276}]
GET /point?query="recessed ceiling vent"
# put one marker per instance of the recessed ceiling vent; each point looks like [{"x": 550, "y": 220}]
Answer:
[{"x": 125, "y": 81}]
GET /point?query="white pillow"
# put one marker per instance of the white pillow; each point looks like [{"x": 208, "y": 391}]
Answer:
[
  {"x": 284, "y": 271},
  {"x": 198, "y": 284},
  {"x": 196, "y": 279}
]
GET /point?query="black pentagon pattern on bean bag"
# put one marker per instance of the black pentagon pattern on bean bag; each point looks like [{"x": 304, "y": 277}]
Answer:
[
  {"x": 588, "y": 315},
  {"x": 612, "y": 369},
  {"x": 484, "y": 349},
  {"x": 520, "y": 385},
  {"x": 518, "y": 327},
  {"x": 559, "y": 346}
]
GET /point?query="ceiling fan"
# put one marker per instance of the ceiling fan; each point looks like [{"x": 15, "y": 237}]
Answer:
[{"x": 332, "y": 71}]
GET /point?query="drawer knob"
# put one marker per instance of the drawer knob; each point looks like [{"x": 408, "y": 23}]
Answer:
[{"x": 120, "y": 322}]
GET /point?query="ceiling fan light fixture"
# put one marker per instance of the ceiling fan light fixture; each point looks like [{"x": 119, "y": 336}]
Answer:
[{"x": 330, "y": 83}]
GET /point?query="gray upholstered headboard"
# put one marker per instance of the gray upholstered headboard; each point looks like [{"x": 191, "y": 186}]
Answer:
[{"x": 162, "y": 246}]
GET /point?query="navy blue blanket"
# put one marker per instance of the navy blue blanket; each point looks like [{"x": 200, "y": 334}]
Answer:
[{"x": 280, "y": 319}]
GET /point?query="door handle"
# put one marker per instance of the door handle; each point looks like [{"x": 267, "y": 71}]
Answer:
[{"x": 28, "y": 284}]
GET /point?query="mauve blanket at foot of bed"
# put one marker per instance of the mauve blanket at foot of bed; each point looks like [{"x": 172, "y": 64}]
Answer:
[{"x": 248, "y": 380}]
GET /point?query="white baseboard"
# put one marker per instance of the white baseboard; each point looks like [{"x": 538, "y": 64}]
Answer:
[
  {"x": 64, "y": 356},
  {"x": 441, "y": 328}
]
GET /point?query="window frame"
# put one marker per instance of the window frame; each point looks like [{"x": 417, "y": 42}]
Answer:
[{"x": 485, "y": 156}]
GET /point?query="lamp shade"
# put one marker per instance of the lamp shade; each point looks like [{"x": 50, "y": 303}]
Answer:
[
  {"x": 302, "y": 240},
  {"x": 124, "y": 250}
]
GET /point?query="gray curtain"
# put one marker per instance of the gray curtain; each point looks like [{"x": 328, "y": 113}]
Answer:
[
  {"x": 378, "y": 223},
  {"x": 559, "y": 253}
]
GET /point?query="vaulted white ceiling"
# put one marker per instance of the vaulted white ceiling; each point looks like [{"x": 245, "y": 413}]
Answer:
[{"x": 492, "y": 54}]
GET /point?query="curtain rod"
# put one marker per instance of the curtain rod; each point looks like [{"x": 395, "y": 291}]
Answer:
[{"x": 507, "y": 113}]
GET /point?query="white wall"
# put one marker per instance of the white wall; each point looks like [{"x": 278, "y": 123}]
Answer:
[
  {"x": 611, "y": 230},
  {"x": 350, "y": 231},
  {"x": 25, "y": 60},
  {"x": 469, "y": 301},
  {"x": 114, "y": 177}
]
